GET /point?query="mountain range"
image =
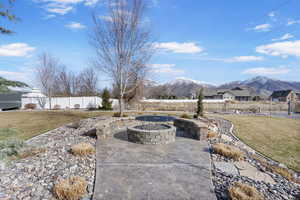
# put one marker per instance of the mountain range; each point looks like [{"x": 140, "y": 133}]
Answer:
[{"x": 260, "y": 85}]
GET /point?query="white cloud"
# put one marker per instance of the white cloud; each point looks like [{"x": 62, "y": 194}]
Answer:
[
  {"x": 106, "y": 18},
  {"x": 75, "y": 26},
  {"x": 63, "y": 7},
  {"x": 284, "y": 37},
  {"x": 283, "y": 49},
  {"x": 165, "y": 68},
  {"x": 16, "y": 49},
  {"x": 291, "y": 22},
  {"x": 175, "y": 47},
  {"x": 267, "y": 71},
  {"x": 271, "y": 14},
  {"x": 60, "y": 10},
  {"x": 262, "y": 27},
  {"x": 244, "y": 59}
]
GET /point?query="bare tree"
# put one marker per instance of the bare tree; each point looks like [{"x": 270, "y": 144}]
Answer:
[
  {"x": 46, "y": 74},
  {"x": 88, "y": 81},
  {"x": 123, "y": 45},
  {"x": 64, "y": 81}
]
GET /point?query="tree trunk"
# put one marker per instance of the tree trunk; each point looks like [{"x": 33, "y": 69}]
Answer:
[{"x": 120, "y": 106}]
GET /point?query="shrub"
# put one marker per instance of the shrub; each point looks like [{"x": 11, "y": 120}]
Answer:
[
  {"x": 185, "y": 116},
  {"x": 211, "y": 134},
  {"x": 30, "y": 106},
  {"x": 119, "y": 115},
  {"x": 200, "y": 109},
  {"x": 240, "y": 191},
  {"x": 83, "y": 149},
  {"x": 106, "y": 103},
  {"x": 56, "y": 107},
  {"x": 10, "y": 148},
  {"x": 228, "y": 151},
  {"x": 73, "y": 188},
  {"x": 77, "y": 106}
]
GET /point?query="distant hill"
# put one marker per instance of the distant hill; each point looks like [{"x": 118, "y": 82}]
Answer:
[
  {"x": 180, "y": 87},
  {"x": 183, "y": 87},
  {"x": 263, "y": 86},
  {"x": 7, "y": 85}
]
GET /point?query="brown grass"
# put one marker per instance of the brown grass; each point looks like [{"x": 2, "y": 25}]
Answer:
[
  {"x": 73, "y": 188},
  {"x": 240, "y": 191},
  {"x": 228, "y": 151},
  {"x": 276, "y": 169},
  {"x": 31, "y": 152},
  {"x": 211, "y": 134},
  {"x": 83, "y": 149},
  {"x": 29, "y": 124},
  {"x": 277, "y": 138}
]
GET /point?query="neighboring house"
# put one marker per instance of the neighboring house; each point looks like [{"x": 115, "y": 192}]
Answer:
[
  {"x": 238, "y": 94},
  {"x": 284, "y": 96},
  {"x": 10, "y": 100},
  {"x": 298, "y": 95}
]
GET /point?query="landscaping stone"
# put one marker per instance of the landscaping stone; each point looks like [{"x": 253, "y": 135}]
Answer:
[
  {"x": 246, "y": 169},
  {"x": 226, "y": 138},
  {"x": 281, "y": 189},
  {"x": 226, "y": 167},
  {"x": 33, "y": 177}
]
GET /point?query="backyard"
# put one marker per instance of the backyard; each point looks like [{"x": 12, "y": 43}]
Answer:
[
  {"x": 277, "y": 138},
  {"x": 24, "y": 125}
]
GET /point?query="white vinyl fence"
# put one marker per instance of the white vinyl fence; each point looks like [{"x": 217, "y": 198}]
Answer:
[{"x": 66, "y": 102}]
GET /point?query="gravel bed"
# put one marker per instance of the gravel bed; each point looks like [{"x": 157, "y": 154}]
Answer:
[
  {"x": 282, "y": 190},
  {"x": 34, "y": 177}
]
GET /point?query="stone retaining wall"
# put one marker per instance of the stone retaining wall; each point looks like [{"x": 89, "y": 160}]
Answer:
[
  {"x": 163, "y": 136},
  {"x": 196, "y": 129}
]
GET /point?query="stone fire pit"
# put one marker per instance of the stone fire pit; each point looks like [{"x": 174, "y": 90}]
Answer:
[{"x": 152, "y": 134}]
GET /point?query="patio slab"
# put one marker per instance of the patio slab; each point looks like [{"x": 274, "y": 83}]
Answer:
[{"x": 180, "y": 170}]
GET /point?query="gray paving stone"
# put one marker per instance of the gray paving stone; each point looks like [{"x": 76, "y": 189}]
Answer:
[
  {"x": 180, "y": 170},
  {"x": 227, "y": 167}
]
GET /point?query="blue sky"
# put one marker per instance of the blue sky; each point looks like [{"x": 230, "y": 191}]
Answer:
[{"x": 214, "y": 41}]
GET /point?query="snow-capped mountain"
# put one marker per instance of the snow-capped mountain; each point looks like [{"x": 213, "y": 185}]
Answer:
[
  {"x": 263, "y": 85},
  {"x": 187, "y": 81}
]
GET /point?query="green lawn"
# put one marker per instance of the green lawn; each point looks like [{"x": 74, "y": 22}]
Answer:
[{"x": 277, "y": 138}]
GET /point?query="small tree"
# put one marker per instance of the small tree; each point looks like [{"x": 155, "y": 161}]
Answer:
[
  {"x": 200, "y": 107},
  {"x": 106, "y": 103}
]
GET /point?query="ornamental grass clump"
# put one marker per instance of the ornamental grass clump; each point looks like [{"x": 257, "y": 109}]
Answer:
[
  {"x": 73, "y": 188},
  {"x": 83, "y": 149},
  {"x": 211, "y": 134},
  {"x": 240, "y": 191},
  {"x": 228, "y": 151}
]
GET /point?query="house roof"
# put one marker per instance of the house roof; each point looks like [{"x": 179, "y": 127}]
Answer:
[
  {"x": 280, "y": 93},
  {"x": 243, "y": 92}
]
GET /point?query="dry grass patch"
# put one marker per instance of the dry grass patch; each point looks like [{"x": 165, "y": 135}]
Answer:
[
  {"x": 73, "y": 188},
  {"x": 228, "y": 151},
  {"x": 211, "y": 134},
  {"x": 276, "y": 169},
  {"x": 240, "y": 191},
  {"x": 31, "y": 152},
  {"x": 83, "y": 149}
]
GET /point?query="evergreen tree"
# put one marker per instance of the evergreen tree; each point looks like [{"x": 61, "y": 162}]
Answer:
[
  {"x": 106, "y": 103},
  {"x": 200, "y": 108},
  {"x": 6, "y": 14}
]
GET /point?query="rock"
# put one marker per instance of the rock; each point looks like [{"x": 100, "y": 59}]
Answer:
[
  {"x": 226, "y": 138},
  {"x": 245, "y": 169},
  {"x": 2, "y": 166},
  {"x": 226, "y": 167}
]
